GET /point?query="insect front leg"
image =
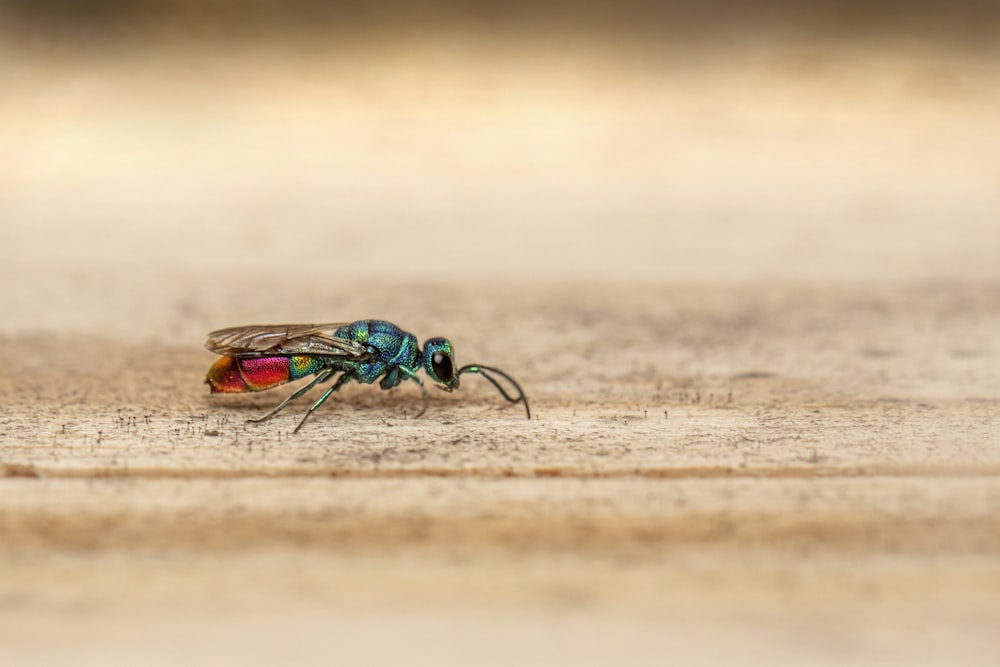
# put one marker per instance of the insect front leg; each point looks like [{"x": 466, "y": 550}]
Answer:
[
  {"x": 391, "y": 379},
  {"x": 341, "y": 381},
  {"x": 320, "y": 377},
  {"x": 423, "y": 390}
]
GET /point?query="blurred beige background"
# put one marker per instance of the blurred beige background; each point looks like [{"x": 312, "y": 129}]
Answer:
[
  {"x": 838, "y": 141},
  {"x": 743, "y": 257}
]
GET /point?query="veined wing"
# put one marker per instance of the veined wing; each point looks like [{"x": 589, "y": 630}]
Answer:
[{"x": 260, "y": 340}]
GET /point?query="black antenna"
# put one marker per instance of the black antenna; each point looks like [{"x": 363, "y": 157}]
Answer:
[{"x": 520, "y": 398}]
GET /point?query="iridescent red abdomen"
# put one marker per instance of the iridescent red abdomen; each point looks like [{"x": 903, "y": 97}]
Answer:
[{"x": 231, "y": 375}]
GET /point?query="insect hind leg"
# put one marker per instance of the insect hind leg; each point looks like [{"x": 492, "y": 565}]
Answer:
[
  {"x": 322, "y": 376},
  {"x": 341, "y": 381}
]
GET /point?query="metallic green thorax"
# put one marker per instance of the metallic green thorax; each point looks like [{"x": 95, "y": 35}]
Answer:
[{"x": 394, "y": 353}]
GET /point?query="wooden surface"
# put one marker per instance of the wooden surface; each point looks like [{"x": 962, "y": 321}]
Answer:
[
  {"x": 754, "y": 299},
  {"x": 812, "y": 473}
]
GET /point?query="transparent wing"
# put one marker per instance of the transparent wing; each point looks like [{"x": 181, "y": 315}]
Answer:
[{"x": 258, "y": 340}]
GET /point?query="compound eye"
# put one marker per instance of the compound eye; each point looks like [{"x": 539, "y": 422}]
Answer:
[{"x": 441, "y": 363}]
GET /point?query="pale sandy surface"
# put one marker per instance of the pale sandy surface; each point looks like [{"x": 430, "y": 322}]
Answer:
[
  {"x": 811, "y": 474},
  {"x": 754, "y": 301}
]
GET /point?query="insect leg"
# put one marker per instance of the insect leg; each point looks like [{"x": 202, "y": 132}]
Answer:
[
  {"x": 320, "y": 377},
  {"x": 423, "y": 390},
  {"x": 341, "y": 381}
]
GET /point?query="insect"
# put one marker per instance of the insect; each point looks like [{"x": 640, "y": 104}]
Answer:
[{"x": 259, "y": 357}]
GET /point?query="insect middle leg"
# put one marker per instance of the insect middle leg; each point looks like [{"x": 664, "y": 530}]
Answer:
[
  {"x": 320, "y": 377},
  {"x": 341, "y": 381}
]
